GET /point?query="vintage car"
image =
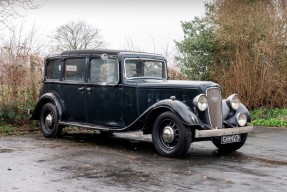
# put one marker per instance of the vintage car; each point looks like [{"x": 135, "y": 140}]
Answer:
[{"x": 120, "y": 91}]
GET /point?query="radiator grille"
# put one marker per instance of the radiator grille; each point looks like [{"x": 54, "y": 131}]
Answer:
[{"x": 214, "y": 107}]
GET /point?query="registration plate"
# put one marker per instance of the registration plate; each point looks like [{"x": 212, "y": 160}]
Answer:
[{"x": 230, "y": 139}]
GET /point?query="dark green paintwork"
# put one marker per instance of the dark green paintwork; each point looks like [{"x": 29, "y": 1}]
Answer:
[{"x": 127, "y": 103}]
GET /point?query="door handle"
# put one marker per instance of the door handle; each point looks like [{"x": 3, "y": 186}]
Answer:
[
  {"x": 89, "y": 89},
  {"x": 81, "y": 88}
]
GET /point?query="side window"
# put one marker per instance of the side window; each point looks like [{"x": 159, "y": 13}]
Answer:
[
  {"x": 54, "y": 69},
  {"x": 104, "y": 71},
  {"x": 75, "y": 69}
]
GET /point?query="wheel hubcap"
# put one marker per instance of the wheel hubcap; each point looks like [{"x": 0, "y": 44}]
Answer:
[
  {"x": 168, "y": 134},
  {"x": 49, "y": 120}
]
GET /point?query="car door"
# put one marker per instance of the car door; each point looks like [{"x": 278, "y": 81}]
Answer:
[
  {"x": 104, "y": 102},
  {"x": 73, "y": 89}
]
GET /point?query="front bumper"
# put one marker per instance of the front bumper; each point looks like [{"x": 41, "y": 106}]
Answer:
[{"x": 222, "y": 132}]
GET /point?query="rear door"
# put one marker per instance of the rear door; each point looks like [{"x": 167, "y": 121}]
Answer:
[{"x": 73, "y": 89}]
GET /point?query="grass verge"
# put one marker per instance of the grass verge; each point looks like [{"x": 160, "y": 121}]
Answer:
[
  {"x": 8, "y": 129},
  {"x": 269, "y": 117}
]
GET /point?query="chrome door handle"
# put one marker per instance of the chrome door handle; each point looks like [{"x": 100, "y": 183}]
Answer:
[
  {"x": 89, "y": 89},
  {"x": 81, "y": 88}
]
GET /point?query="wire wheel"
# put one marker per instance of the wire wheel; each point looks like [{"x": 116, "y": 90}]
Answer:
[
  {"x": 168, "y": 134},
  {"x": 170, "y": 137}
]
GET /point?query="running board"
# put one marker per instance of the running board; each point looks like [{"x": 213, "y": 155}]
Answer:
[{"x": 91, "y": 126}]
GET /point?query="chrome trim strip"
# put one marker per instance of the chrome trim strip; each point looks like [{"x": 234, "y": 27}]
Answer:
[{"x": 222, "y": 132}]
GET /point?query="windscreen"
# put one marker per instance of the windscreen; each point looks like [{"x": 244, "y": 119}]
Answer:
[{"x": 145, "y": 68}]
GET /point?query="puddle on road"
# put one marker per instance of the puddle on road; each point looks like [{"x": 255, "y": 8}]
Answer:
[
  {"x": 3, "y": 150},
  {"x": 266, "y": 160},
  {"x": 272, "y": 162},
  {"x": 111, "y": 174}
]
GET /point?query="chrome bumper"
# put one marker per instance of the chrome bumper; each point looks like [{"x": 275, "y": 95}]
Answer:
[
  {"x": 30, "y": 111},
  {"x": 222, "y": 132}
]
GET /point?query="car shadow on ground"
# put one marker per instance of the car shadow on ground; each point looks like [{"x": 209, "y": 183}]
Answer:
[
  {"x": 113, "y": 141},
  {"x": 144, "y": 146}
]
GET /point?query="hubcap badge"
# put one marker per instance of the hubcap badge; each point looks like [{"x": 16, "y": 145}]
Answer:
[
  {"x": 49, "y": 120},
  {"x": 168, "y": 134}
]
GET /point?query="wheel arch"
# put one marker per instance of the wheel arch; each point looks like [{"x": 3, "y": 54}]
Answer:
[
  {"x": 48, "y": 98},
  {"x": 184, "y": 113}
]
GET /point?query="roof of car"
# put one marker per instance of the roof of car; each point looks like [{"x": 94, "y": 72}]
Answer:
[
  {"x": 97, "y": 52},
  {"x": 92, "y": 51}
]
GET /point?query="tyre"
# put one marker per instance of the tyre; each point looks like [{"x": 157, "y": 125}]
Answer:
[
  {"x": 228, "y": 148},
  {"x": 169, "y": 135},
  {"x": 49, "y": 121}
]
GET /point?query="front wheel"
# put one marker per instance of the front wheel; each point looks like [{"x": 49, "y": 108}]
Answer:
[
  {"x": 49, "y": 121},
  {"x": 169, "y": 135},
  {"x": 227, "y": 148}
]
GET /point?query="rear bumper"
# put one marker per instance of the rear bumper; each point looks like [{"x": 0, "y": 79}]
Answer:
[
  {"x": 222, "y": 132},
  {"x": 30, "y": 111}
]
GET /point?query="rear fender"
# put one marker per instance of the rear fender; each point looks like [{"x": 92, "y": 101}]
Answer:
[{"x": 48, "y": 98}]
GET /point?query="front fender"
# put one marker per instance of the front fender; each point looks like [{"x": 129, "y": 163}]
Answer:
[
  {"x": 50, "y": 97},
  {"x": 179, "y": 108},
  {"x": 147, "y": 118}
]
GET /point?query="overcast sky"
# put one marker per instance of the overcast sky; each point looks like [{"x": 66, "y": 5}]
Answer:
[{"x": 149, "y": 24}]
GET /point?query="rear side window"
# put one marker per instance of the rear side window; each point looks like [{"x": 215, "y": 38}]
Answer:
[
  {"x": 54, "y": 69},
  {"x": 75, "y": 69}
]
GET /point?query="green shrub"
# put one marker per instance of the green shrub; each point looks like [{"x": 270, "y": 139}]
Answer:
[{"x": 15, "y": 114}]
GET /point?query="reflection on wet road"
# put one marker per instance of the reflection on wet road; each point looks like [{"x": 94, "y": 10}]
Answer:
[{"x": 129, "y": 162}]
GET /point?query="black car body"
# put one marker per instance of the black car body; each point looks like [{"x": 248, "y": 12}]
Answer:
[{"x": 118, "y": 91}]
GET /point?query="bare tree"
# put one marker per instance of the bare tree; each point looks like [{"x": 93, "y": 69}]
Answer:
[
  {"x": 77, "y": 35},
  {"x": 130, "y": 44},
  {"x": 10, "y": 9}
]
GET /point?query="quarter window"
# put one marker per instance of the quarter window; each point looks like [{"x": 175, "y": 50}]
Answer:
[
  {"x": 75, "y": 69},
  {"x": 54, "y": 69}
]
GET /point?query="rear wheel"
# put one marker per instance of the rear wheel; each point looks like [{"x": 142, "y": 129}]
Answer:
[
  {"x": 170, "y": 137},
  {"x": 49, "y": 121},
  {"x": 227, "y": 148}
]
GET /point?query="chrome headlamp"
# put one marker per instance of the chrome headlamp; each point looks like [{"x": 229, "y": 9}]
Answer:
[
  {"x": 233, "y": 101},
  {"x": 241, "y": 119},
  {"x": 200, "y": 101}
]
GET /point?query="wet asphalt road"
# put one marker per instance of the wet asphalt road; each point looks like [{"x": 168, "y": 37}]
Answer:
[{"x": 129, "y": 162}]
